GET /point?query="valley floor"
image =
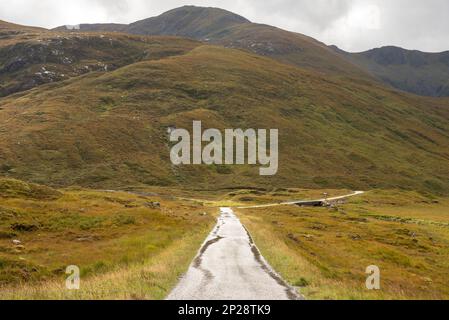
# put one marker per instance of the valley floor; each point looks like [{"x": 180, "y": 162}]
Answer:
[
  {"x": 325, "y": 252},
  {"x": 127, "y": 246},
  {"x": 138, "y": 245}
]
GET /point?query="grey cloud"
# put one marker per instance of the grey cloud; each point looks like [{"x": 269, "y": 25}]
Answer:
[
  {"x": 318, "y": 13},
  {"x": 114, "y": 7}
]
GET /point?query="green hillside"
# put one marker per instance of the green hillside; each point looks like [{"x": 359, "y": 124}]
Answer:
[
  {"x": 33, "y": 59},
  {"x": 110, "y": 129}
]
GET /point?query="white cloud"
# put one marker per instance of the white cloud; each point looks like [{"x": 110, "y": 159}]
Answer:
[
  {"x": 363, "y": 16},
  {"x": 354, "y": 25}
]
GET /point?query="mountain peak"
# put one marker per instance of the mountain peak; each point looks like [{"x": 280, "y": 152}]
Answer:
[
  {"x": 210, "y": 12},
  {"x": 188, "y": 21}
]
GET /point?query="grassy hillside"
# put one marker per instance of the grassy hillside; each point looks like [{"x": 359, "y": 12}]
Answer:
[
  {"x": 11, "y": 33},
  {"x": 45, "y": 57},
  {"x": 8, "y": 28},
  {"x": 413, "y": 71},
  {"x": 333, "y": 132}
]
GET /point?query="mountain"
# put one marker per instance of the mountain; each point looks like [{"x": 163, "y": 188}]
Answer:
[
  {"x": 188, "y": 21},
  {"x": 109, "y": 130},
  {"x": 106, "y": 127},
  {"x": 414, "y": 71},
  {"x": 221, "y": 27}
]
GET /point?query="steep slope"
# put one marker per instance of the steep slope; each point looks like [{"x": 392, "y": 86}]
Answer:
[
  {"x": 221, "y": 27},
  {"x": 30, "y": 60},
  {"x": 287, "y": 47},
  {"x": 110, "y": 130},
  {"x": 417, "y": 72}
]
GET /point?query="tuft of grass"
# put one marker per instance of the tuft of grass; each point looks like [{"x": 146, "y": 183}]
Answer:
[
  {"x": 11, "y": 188},
  {"x": 302, "y": 283}
]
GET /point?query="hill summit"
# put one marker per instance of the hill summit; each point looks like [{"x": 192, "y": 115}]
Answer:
[
  {"x": 188, "y": 21},
  {"x": 222, "y": 27}
]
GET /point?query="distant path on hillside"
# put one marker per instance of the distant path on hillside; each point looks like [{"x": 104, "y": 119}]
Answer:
[
  {"x": 230, "y": 267},
  {"x": 305, "y": 202}
]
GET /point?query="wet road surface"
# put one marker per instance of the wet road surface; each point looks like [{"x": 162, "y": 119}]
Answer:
[{"x": 230, "y": 267}]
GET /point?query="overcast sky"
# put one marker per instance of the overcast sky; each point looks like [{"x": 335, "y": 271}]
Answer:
[{"x": 353, "y": 25}]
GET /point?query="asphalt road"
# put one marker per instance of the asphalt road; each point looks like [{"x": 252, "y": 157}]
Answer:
[
  {"x": 289, "y": 203},
  {"x": 230, "y": 267}
]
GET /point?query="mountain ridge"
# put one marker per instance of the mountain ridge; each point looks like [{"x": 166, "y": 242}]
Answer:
[
  {"x": 422, "y": 73},
  {"x": 222, "y": 27}
]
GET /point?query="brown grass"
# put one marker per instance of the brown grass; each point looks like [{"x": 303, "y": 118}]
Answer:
[
  {"x": 328, "y": 250},
  {"x": 109, "y": 235}
]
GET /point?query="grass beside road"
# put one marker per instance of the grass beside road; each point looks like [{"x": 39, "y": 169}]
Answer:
[
  {"x": 150, "y": 279},
  {"x": 128, "y": 248},
  {"x": 125, "y": 246},
  {"x": 325, "y": 251}
]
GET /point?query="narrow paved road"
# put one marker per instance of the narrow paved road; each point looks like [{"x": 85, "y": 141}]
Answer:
[
  {"x": 230, "y": 267},
  {"x": 299, "y": 202}
]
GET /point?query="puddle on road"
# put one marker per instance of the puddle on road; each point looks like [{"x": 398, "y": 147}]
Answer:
[{"x": 199, "y": 259}]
